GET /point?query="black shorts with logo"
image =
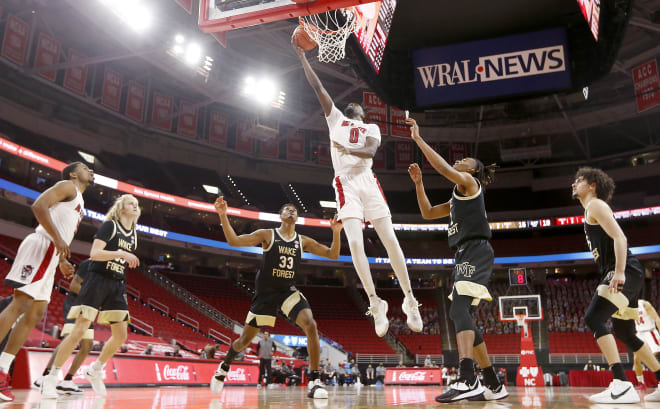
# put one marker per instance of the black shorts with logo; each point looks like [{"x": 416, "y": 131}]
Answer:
[
  {"x": 474, "y": 262},
  {"x": 105, "y": 294},
  {"x": 632, "y": 289},
  {"x": 265, "y": 307}
]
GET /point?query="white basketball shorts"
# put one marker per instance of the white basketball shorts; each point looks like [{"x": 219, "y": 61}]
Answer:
[
  {"x": 650, "y": 338},
  {"x": 33, "y": 271},
  {"x": 360, "y": 195}
]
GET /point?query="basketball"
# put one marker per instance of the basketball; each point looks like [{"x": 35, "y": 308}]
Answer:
[{"x": 302, "y": 39}]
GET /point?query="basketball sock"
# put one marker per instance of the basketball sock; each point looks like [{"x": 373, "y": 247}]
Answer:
[
  {"x": 618, "y": 372},
  {"x": 466, "y": 369},
  {"x": 657, "y": 374},
  {"x": 5, "y": 361},
  {"x": 68, "y": 377},
  {"x": 229, "y": 358},
  {"x": 490, "y": 377},
  {"x": 55, "y": 371},
  {"x": 353, "y": 230},
  {"x": 314, "y": 375},
  {"x": 385, "y": 231},
  {"x": 97, "y": 365}
]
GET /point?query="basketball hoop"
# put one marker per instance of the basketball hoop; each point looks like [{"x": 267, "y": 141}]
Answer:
[
  {"x": 330, "y": 30},
  {"x": 521, "y": 319}
]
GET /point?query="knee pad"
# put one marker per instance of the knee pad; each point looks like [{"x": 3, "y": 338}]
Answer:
[
  {"x": 624, "y": 330},
  {"x": 596, "y": 323}
]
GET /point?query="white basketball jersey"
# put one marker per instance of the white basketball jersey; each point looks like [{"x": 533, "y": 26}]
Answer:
[
  {"x": 644, "y": 322},
  {"x": 350, "y": 133},
  {"x": 66, "y": 217}
]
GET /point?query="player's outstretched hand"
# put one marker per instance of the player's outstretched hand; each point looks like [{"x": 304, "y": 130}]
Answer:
[
  {"x": 414, "y": 129},
  {"x": 220, "y": 206},
  {"x": 335, "y": 224},
  {"x": 131, "y": 259},
  {"x": 67, "y": 269},
  {"x": 415, "y": 173},
  {"x": 617, "y": 282}
]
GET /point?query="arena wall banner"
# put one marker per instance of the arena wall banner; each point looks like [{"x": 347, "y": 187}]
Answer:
[
  {"x": 244, "y": 141},
  {"x": 161, "y": 112},
  {"x": 647, "y": 85},
  {"x": 413, "y": 376},
  {"x": 269, "y": 148},
  {"x": 375, "y": 110},
  {"x": 397, "y": 123},
  {"x": 217, "y": 128},
  {"x": 112, "y": 84},
  {"x": 404, "y": 154},
  {"x": 295, "y": 146},
  {"x": 75, "y": 78},
  {"x": 48, "y": 53},
  {"x": 135, "y": 99},
  {"x": 14, "y": 43},
  {"x": 516, "y": 64},
  {"x": 136, "y": 370},
  {"x": 187, "y": 120}
]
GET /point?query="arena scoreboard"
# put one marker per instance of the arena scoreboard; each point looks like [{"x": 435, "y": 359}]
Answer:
[{"x": 518, "y": 276}]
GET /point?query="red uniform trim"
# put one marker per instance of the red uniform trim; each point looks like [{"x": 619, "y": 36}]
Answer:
[
  {"x": 45, "y": 263},
  {"x": 340, "y": 192}
]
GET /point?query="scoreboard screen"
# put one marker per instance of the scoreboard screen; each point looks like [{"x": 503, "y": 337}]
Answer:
[
  {"x": 373, "y": 21},
  {"x": 517, "y": 276}
]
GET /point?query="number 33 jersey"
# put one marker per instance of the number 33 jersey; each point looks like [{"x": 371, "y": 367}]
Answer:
[
  {"x": 279, "y": 264},
  {"x": 349, "y": 133}
]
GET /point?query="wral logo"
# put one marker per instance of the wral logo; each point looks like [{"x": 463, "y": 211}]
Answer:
[{"x": 495, "y": 67}]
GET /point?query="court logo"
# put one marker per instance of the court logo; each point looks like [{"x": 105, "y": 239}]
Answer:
[{"x": 26, "y": 272}]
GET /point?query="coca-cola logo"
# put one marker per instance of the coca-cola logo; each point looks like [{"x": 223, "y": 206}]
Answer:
[
  {"x": 412, "y": 376},
  {"x": 178, "y": 373},
  {"x": 237, "y": 374}
]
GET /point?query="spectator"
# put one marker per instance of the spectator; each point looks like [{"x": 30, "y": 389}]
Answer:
[
  {"x": 371, "y": 378},
  {"x": 123, "y": 349},
  {"x": 401, "y": 364},
  {"x": 209, "y": 351},
  {"x": 501, "y": 376},
  {"x": 427, "y": 361},
  {"x": 265, "y": 349},
  {"x": 330, "y": 373},
  {"x": 148, "y": 350},
  {"x": 590, "y": 366},
  {"x": 341, "y": 374},
  {"x": 380, "y": 373},
  {"x": 355, "y": 375}
]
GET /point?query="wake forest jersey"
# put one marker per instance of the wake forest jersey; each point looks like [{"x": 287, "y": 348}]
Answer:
[
  {"x": 467, "y": 218},
  {"x": 602, "y": 248},
  {"x": 116, "y": 238},
  {"x": 279, "y": 264}
]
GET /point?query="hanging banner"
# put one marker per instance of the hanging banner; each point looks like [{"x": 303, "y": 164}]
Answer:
[
  {"x": 295, "y": 147},
  {"x": 379, "y": 158},
  {"x": 457, "y": 151},
  {"x": 15, "y": 41},
  {"x": 397, "y": 124},
  {"x": 403, "y": 155},
  {"x": 112, "y": 83},
  {"x": 375, "y": 110},
  {"x": 269, "y": 148},
  {"x": 217, "y": 129},
  {"x": 161, "y": 112},
  {"x": 48, "y": 53},
  {"x": 187, "y": 123},
  {"x": 647, "y": 84},
  {"x": 135, "y": 101},
  {"x": 75, "y": 78},
  {"x": 244, "y": 141},
  {"x": 324, "y": 153}
]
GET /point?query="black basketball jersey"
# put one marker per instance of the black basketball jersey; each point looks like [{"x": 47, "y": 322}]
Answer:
[
  {"x": 116, "y": 238},
  {"x": 467, "y": 218},
  {"x": 602, "y": 248},
  {"x": 279, "y": 264}
]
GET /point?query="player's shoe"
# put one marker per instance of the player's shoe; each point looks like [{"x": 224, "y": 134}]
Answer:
[
  {"x": 95, "y": 378},
  {"x": 410, "y": 307},
  {"x": 218, "y": 379},
  {"x": 5, "y": 393},
  {"x": 618, "y": 392},
  {"x": 378, "y": 310},
  {"x": 38, "y": 382},
  {"x": 49, "y": 387},
  {"x": 69, "y": 388},
  {"x": 653, "y": 397},
  {"x": 317, "y": 390},
  {"x": 491, "y": 394},
  {"x": 461, "y": 389}
]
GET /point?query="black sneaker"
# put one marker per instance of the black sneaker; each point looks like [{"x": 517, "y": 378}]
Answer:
[
  {"x": 491, "y": 394},
  {"x": 461, "y": 389}
]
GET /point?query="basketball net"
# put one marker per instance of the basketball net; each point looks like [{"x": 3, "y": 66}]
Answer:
[
  {"x": 330, "y": 30},
  {"x": 522, "y": 322}
]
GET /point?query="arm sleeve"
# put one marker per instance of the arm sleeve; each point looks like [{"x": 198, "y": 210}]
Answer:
[{"x": 106, "y": 231}]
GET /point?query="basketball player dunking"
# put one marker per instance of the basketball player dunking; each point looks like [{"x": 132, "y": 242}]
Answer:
[
  {"x": 468, "y": 233},
  {"x": 646, "y": 325},
  {"x": 360, "y": 197},
  {"x": 622, "y": 279},
  {"x": 275, "y": 287},
  {"x": 59, "y": 211}
]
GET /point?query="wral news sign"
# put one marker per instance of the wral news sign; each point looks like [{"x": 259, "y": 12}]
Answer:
[{"x": 516, "y": 64}]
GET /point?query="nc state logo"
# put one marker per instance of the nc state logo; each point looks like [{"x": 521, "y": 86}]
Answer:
[{"x": 27, "y": 272}]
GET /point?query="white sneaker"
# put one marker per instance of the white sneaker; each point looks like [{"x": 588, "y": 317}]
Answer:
[
  {"x": 653, "y": 397},
  {"x": 69, "y": 388},
  {"x": 38, "y": 382},
  {"x": 410, "y": 307},
  {"x": 492, "y": 394},
  {"x": 218, "y": 380},
  {"x": 378, "y": 310},
  {"x": 461, "y": 389},
  {"x": 317, "y": 390},
  {"x": 49, "y": 387},
  {"x": 95, "y": 378},
  {"x": 618, "y": 392}
]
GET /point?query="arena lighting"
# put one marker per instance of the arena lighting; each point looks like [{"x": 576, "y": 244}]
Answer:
[
  {"x": 214, "y": 190},
  {"x": 87, "y": 157},
  {"x": 132, "y": 12},
  {"x": 328, "y": 204},
  {"x": 264, "y": 91},
  {"x": 193, "y": 54},
  {"x": 190, "y": 53}
]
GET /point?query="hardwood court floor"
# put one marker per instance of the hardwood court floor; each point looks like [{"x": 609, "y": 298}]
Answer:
[{"x": 294, "y": 398}]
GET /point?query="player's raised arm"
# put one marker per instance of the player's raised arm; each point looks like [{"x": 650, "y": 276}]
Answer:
[
  {"x": 439, "y": 163},
  {"x": 60, "y": 192},
  {"x": 312, "y": 246},
  {"x": 257, "y": 237},
  {"x": 428, "y": 211},
  {"x": 601, "y": 212},
  {"x": 313, "y": 79}
]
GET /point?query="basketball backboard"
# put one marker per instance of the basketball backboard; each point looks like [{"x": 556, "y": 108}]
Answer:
[
  {"x": 515, "y": 305},
  {"x": 224, "y": 15}
]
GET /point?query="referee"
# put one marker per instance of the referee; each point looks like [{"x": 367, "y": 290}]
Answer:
[{"x": 265, "y": 349}]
